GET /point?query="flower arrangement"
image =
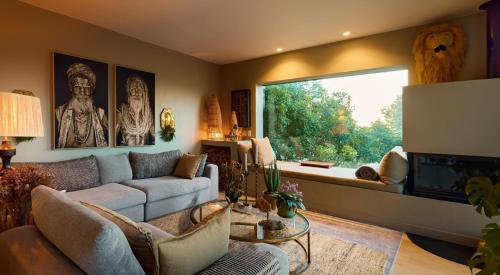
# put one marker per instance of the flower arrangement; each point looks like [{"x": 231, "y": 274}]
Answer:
[
  {"x": 289, "y": 199},
  {"x": 15, "y": 194},
  {"x": 233, "y": 176}
]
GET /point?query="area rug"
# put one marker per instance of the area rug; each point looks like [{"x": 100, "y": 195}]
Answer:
[{"x": 338, "y": 246}]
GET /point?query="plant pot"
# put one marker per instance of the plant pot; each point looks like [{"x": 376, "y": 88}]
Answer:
[
  {"x": 233, "y": 197},
  {"x": 272, "y": 198},
  {"x": 285, "y": 211}
]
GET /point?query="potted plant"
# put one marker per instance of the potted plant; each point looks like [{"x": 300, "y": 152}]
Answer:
[
  {"x": 485, "y": 195},
  {"x": 15, "y": 194},
  {"x": 233, "y": 175},
  {"x": 289, "y": 200},
  {"x": 272, "y": 178}
]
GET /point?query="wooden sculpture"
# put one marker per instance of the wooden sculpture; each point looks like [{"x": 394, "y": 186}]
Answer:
[{"x": 439, "y": 52}]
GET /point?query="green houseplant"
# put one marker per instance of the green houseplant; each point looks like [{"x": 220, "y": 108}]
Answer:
[
  {"x": 289, "y": 200},
  {"x": 233, "y": 175},
  {"x": 485, "y": 195},
  {"x": 272, "y": 177}
]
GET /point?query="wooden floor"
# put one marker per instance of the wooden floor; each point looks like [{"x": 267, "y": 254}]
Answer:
[{"x": 412, "y": 259}]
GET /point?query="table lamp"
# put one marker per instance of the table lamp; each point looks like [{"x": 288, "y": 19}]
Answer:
[
  {"x": 214, "y": 119},
  {"x": 20, "y": 116}
]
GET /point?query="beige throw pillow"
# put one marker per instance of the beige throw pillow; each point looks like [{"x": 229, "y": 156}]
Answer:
[
  {"x": 197, "y": 249},
  {"x": 139, "y": 238},
  {"x": 265, "y": 151},
  {"x": 393, "y": 168},
  {"x": 187, "y": 166}
]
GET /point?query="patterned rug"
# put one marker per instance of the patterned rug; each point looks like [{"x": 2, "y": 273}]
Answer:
[{"x": 338, "y": 246}]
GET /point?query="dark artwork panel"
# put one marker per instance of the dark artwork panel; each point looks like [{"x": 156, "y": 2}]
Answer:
[
  {"x": 135, "y": 107},
  {"x": 80, "y": 102},
  {"x": 240, "y": 103}
]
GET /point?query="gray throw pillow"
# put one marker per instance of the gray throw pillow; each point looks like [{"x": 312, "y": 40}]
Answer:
[
  {"x": 92, "y": 242},
  {"x": 153, "y": 165},
  {"x": 73, "y": 175},
  {"x": 201, "y": 168},
  {"x": 114, "y": 168}
]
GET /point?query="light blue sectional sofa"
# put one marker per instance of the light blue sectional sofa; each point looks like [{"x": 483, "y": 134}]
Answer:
[{"x": 139, "y": 186}]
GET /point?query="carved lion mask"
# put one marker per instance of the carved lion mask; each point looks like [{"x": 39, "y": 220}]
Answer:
[{"x": 439, "y": 52}]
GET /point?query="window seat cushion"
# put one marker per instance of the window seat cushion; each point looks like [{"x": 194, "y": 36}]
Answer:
[{"x": 335, "y": 175}]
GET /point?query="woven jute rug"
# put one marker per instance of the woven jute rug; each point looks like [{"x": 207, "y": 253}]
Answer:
[{"x": 338, "y": 246}]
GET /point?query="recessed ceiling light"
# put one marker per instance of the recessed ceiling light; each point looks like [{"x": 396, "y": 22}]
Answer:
[
  {"x": 347, "y": 33},
  {"x": 279, "y": 49}
]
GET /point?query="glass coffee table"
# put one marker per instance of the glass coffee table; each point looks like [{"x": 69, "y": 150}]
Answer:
[{"x": 245, "y": 228}]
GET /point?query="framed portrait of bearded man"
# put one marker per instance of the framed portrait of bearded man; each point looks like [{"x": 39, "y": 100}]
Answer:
[
  {"x": 80, "y": 102},
  {"x": 135, "y": 107}
]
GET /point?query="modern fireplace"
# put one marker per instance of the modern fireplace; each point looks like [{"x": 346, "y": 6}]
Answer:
[{"x": 444, "y": 177}]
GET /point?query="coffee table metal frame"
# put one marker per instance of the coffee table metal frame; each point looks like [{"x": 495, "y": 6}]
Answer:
[{"x": 296, "y": 237}]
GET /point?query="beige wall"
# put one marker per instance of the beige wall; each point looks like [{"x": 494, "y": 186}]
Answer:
[
  {"x": 386, "y": 50},
  {"x": 28, "y": 35}
]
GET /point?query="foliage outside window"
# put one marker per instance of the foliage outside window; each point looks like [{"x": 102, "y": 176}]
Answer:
[{"x": 310, "y": 120}]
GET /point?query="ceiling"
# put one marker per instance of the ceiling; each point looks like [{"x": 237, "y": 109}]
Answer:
[{"x": 227, "y": 31}]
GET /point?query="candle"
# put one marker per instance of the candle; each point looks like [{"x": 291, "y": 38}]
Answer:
[
  {"x": 256, "y": 159},
  {"x": 246, "y": 162}
]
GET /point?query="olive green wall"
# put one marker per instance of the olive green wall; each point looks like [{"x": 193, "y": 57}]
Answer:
[
  {"x": 380, "y": 51},
  {"x": 28, "y": 36}
]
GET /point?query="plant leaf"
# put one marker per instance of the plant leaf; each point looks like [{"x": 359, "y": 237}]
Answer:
[{"x": 484, "y": 195}]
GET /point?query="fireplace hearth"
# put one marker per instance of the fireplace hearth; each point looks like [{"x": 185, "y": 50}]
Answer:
[{"x": 444, "y": 177}]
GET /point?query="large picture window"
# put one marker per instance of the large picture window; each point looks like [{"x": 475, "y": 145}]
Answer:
[{"x": 347, "y": 120}]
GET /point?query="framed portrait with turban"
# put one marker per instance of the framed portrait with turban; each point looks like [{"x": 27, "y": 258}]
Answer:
[
  {"x": 80, "y": 102},
  {"x": 135, "y": 107}
]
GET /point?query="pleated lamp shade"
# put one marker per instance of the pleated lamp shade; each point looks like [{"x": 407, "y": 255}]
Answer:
[
  {"x": 214, "y": 118},
  {"x": 234, "y": 120},
  {"x": 20, "y": 116}
]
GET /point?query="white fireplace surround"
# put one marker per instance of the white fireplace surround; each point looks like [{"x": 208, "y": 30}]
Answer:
[{"x": 454, "y": 118}]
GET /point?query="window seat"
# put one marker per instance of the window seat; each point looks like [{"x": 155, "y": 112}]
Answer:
[{"x": 335, "y": 175}]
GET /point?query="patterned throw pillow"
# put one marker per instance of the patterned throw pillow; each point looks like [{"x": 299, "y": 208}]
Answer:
[
  {"x": 153, "y": 165},
  {"x": 73, "y": 175}
]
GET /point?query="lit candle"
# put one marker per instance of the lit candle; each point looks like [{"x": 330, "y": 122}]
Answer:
[{"x": 246, "y": 162}]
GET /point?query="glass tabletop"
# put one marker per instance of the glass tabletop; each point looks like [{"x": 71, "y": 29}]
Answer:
[{"x": 245, "y": 223}]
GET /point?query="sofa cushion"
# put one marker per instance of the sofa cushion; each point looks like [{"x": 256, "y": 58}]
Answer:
[
  {"x": 24, "y": 250},
  {"x": 201, "y": 167},
  {"x": 114, "y": 168},
  {"x": 72, "y": 175},
  {"x": 153, "y": 165},
  {"x": 139, "y": 238},
  {"x": 188, "y": 166},
  {"x": 197, "y": 249},
  {"x": 169, "y": 186},
  {"x": 112, "y": 195},
  {"x": 93, "y": 243}
]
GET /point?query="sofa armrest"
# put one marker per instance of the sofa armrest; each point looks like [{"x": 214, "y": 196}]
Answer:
[
  {"x": 24, "y": 250},
  {"x": 212, "y": 172}
]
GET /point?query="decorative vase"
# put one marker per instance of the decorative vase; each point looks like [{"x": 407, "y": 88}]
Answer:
[
  {"x": 233, "y": 197},
  {"x": 286, "y": 212},
  {"x": 272, "y": 198}
]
